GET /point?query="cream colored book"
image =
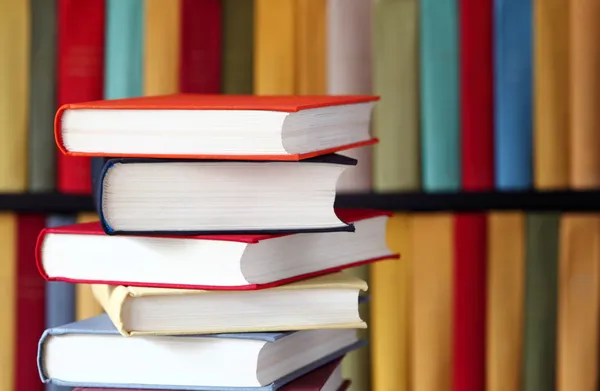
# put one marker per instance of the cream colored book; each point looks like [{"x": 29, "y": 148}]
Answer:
[
  {"x": 324, "y": 302},
  {"x": 85, "y": 304}
]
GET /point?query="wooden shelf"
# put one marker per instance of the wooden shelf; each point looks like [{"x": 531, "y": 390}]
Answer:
[{"x": 560, "y": 201}]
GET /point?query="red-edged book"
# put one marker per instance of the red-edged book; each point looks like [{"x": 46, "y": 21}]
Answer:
[
  {"x": 197, "y": 126},
  {"x": 30, "y": 304},
  {"x": 200, "y": 61},
  {"x": 477, "y": 134},
  {"x": 327, "y": 377},
  {"x": 82, "y": 253},
  {"x": 80, "y": 76}
]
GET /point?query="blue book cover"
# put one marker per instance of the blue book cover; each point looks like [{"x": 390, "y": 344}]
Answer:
[
  {"x": 60, "y": 296},
  {"x": 513, "y": 101},
  {"x": 440, "y": 121},
  {"x": 102, "y": 325}
]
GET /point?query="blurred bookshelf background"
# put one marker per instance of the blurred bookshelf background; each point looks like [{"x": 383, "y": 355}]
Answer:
[{"x": 489, "y": 156}]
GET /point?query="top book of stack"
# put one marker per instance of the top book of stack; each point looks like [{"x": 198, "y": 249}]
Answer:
[{"x": 224, "y": 127}]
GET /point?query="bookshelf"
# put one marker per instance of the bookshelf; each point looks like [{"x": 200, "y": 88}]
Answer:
[{"x": 557, "y": 201}]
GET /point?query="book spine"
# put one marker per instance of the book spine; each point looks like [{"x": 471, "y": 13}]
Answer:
[
  {"x": 29, "y": 304},
  {"x": 42, "y": 96},
  {"x": 8, "y": 300},
  {"x": 440, "y": 138},
  {"x": 476, "y": 97},
  {"x": 237, "y": 53},
  {"x": 200, "y": 63},
  {"x": 513, "y": 94},
  {"x": 80, "y": 76}
]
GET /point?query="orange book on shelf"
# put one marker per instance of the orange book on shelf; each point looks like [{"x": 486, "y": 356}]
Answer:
[
  {"x": 179, "y": 126},
  {"x": 431, "y": 302},
  {"x": 505, "y": 300},
  {"x": 86, "y": 305},
  {"x": 310, "y": 48}
]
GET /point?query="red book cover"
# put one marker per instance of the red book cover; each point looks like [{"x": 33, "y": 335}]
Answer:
[
  {"x": 476, "y": 94},
  {"x": 94, "y": 228},
  {"x": 469, "y": 302},
  {"x": 200, "y": 64},
  {"x": 30, "y": 319},
  {"x": 80, "y": 77}
]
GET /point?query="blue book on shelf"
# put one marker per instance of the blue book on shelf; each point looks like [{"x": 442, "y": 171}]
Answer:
[
  {"x": 50, "y": 359},
  {"x": 513, "y": 31},
  {"x": 440, "y": 137},
  {"x": 60, "y": 296}
]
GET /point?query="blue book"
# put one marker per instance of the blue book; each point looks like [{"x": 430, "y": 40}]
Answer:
[
  {"x": 123, "y": 58},
  {"x": 440, "y": 121},
  {"x": 513, "y": 101},
  {"x": 92, "y": 353},
  {"x": 60, "y": 296}
]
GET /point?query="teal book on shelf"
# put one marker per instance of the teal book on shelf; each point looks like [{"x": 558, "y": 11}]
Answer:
[
  {"x": 513, "y": 100},
  {"x": 440, "y": 139}
]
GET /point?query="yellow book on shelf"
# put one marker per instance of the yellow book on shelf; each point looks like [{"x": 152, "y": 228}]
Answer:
[
  {"x": 8, "y": 279},
  {"x": 389, "y": 326},
  {"x": 396, "y": 162},
  {"x": 578, "y": 303},
  {"x": 86, "y": 305},
  {"x": 431, "y": 304},
  {"x": 274, "y": 47},
  {"x": 584, "y": 93},
  {"x": 311, "y": 37},
  {"x": 551, "y": 102},
  {"x": 122, "y": 302},
  {"x": 161, "y": 46},
  {"x": 505, "y": 299},
  {"x": 14, "y": 94}
]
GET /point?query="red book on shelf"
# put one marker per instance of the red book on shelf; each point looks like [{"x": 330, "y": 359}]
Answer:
[
  {"x": 30, "y": 319},
  {"x": 200, "y": 64},
  {"x": 80, "y": 76}
]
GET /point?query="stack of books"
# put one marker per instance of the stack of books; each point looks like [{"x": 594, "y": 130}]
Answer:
[{"x": 218, "y": 256}]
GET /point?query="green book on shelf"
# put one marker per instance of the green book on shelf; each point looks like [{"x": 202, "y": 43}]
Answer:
[
  {"x": 396, "y": 117},
  {"x": 42, "y": 97},
  {"x": 541, "y": 301},
  {"x": 238, "y": 46}
]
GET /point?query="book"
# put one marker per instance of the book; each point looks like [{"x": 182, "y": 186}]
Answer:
[
  {"x": 14, "y": 94},
  {"x": 551, "y": 103},
  {"x": 60, "y": 296},
  {"x": 237, "y": 53},
  {"x": 390, "y": 320},
  {"x": 513, "y": 95},
  {"x": 541, "y": 302},
  {"x": 469, "y": 301},
  {"x": 215, "y": 126},
  {"x": 396, "y": 161},
  {"x": 274, "y": 47},
  {"x": 91, "y": 353},
  {"x": 200, "y": 60},
  {"x": 42, "y": 96},
  {"x": 224, "y": 196},
  {"x": 476, "y": 96},
  {"x": 81, "y": 27},
  {"x": 505, "y": 300},
  {"x": 323, "y": 302},
  {"x": 82, "y": 253},
  {"x": 439, "y": 95},
  {"x": 310, "y": 21},
  {"x": 8, "y": 300},
  {"x": 325, "y": 378},
  {"x": 348, "y": 66},
  {"x": 431, "y": 302},
  {"x": 161, "y": 50}
]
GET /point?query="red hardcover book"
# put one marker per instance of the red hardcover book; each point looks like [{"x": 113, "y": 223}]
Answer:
[
  {"x": 469, "y": 302},
  {"x": 476, "y": 94},
  {"x": 200, "y": 65},
  {"x": 246, "y": 262},
  {"x": 30, "y": 319},
  {"x": 80, "y": 76}
]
